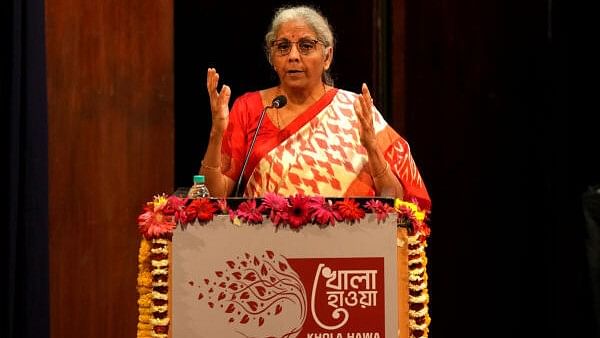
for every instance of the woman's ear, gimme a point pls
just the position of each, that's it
(328, 57)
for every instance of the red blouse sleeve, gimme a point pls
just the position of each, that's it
(245, 110)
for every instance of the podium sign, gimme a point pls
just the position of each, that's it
(262, 281)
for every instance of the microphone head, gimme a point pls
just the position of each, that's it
(279, 101)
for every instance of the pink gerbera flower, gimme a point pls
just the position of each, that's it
(323, 211)
(276, 206)
(298, 213)
(222, 204)
(408, 213)
(407, 217)
(154, 224)
(380, 209)
(248, 212)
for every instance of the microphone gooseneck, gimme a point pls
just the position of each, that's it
(278, 102)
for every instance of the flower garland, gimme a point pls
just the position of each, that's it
(144, 288)
(162, 215)
(418, 293)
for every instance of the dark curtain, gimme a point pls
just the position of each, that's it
(25, 225)
(591, 210)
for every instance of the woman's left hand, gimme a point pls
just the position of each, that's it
(363, 106)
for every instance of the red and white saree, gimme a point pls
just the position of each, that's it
(319, 153)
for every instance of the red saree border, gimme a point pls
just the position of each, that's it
(291, 129)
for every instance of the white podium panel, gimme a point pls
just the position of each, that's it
(261, 281)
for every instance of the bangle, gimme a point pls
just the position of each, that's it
(383, 172)
(209, 168)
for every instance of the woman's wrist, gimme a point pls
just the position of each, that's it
(216, 133)
(207, 167)
(382, 172)
(370, 146)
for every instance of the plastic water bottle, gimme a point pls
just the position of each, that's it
(199, 189)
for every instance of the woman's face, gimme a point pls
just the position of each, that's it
(303, 66)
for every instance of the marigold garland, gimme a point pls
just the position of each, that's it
(163, 214)
(144, 287)
(418, 298)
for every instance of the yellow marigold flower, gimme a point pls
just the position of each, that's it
(144, 279)
(145, 327)
(145, 334)
(144, 252)
(420, 216)
(146, 311)
(398, 203)
(159, 202)
(144, 292)
(145, 318)
(145, 300)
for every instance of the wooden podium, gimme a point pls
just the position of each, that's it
(228, 278)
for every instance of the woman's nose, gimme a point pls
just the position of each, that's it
(294, 52)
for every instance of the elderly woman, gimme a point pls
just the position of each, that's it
(324, 141)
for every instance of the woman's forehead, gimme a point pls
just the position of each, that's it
(294, 28)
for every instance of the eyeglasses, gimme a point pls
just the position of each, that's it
(284, 46)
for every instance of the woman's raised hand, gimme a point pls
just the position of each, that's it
(219, 101)
(363, 105)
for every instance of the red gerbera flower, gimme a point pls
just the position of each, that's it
(276, 206)
(380, 209)
(248, 212)
(350, 210)
(298, 213)
(202, 208)
(174, 207)
(323, 211)
(186, 215)
(153, 222)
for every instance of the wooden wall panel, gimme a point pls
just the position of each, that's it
(111, 138)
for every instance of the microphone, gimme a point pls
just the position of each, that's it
(278, 102)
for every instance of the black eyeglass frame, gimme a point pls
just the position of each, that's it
(301, 50)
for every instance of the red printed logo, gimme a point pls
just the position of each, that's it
(269, 295)
(346, 296)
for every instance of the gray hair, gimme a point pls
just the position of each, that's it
(313, 18)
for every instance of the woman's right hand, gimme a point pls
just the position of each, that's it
(219, 101)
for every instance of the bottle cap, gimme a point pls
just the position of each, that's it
(198, 178)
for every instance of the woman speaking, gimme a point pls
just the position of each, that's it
(304, 135)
